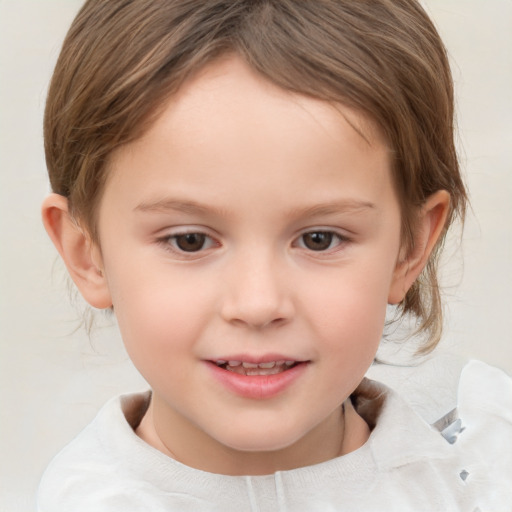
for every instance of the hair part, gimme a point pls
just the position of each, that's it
(122, 59)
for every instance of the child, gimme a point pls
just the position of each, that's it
(248, 184)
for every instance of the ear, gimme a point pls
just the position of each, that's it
(432, 219)
(81, 256)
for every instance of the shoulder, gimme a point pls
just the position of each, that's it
(485, 410)
(108, 468)
(75, 478)
(485, 388)
(484, 404)
(468, 405)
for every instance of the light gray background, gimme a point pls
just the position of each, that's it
(53, 377)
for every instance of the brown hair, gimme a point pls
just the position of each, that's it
(122, 59)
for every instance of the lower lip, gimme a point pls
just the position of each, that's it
(258, 387)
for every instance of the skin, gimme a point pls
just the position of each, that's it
(255, 169)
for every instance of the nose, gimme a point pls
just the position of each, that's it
(257, 292)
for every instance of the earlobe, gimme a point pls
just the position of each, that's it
(430, 226)
(81, 257)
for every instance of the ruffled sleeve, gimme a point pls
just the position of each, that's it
(485, 410)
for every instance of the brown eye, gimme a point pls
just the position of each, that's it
(318, 240)
(190, 242)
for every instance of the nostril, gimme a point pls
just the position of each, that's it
(254, 323)
(256, 300)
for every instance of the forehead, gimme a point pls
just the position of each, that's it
(224, 86)
(228, 120)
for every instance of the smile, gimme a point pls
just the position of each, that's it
(250, 369)
(257, 380)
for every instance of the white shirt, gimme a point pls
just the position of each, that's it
(406, 465)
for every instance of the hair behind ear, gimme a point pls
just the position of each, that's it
(81, 256)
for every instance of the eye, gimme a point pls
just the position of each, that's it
(320, 240)
(188, 242)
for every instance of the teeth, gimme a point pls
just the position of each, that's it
(251, 366)
(266, 366)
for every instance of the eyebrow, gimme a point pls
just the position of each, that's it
(335, 207)
(185, 206)
(317, 210)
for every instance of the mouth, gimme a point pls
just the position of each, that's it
(252, 369)
(258, 378)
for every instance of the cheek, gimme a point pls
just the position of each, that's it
(159, 313)
(158, 332)
(349, 333)
(349, 309)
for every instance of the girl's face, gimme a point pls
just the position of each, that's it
(249, 243)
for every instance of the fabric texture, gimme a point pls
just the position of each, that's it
(406, 465)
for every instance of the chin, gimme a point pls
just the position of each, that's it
(261, 440)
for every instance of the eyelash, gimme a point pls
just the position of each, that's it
(170, 242)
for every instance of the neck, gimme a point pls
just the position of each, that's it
(342, 432)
